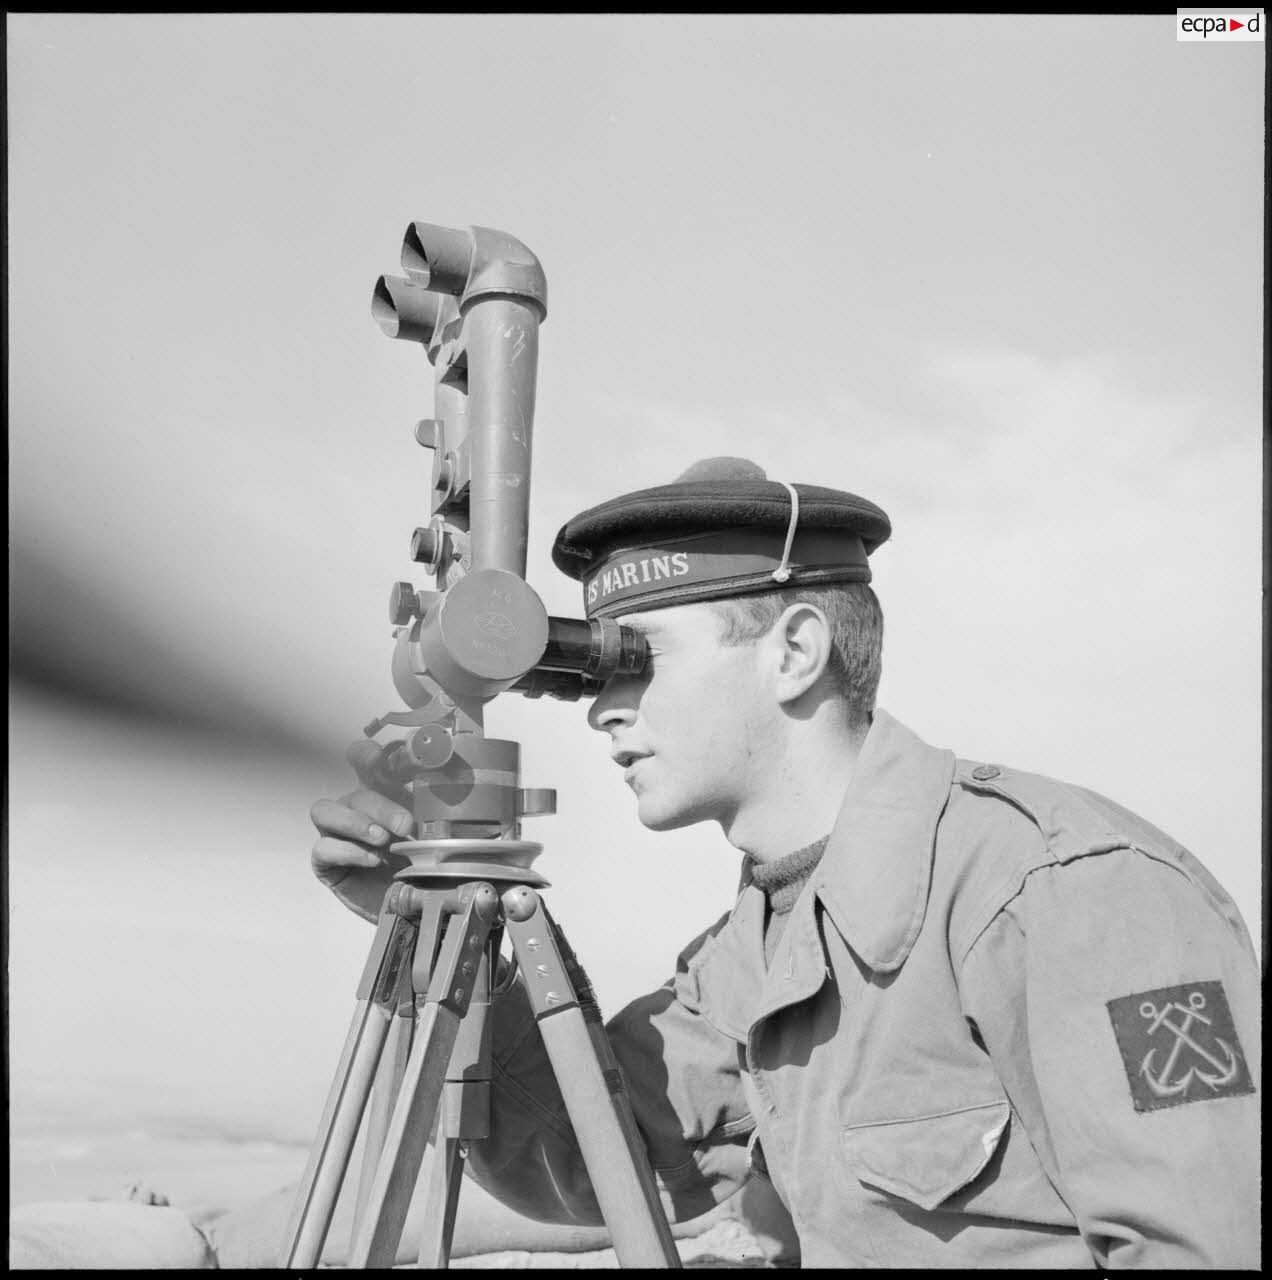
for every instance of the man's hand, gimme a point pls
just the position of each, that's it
(352, 856)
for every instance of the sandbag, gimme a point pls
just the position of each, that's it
(117, 1235)
(252, 1236)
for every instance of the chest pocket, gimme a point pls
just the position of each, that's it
(927, 1159)
(971, 1160)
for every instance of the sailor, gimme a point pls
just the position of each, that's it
(959, 1015)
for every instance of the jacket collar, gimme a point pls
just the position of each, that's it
(873, 880)
(877, 869)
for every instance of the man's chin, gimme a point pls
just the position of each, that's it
(655, 817)
(659, 821)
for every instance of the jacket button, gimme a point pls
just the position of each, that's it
(984, 772)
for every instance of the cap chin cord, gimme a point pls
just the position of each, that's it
(782, 572)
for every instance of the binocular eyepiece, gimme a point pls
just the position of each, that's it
(581, 656)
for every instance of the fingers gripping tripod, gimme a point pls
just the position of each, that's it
(421, 1031)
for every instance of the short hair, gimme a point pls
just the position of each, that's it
(856, 624)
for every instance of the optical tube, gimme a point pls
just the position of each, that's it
(599, 649)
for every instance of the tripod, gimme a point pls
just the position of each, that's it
(474, 300)
(430, 970)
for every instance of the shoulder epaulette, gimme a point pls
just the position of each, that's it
(1070, 824)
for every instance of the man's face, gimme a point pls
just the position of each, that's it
(691, 731)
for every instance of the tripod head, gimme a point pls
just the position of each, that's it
(474, 300)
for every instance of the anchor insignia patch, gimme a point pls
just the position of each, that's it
(1179, 1045)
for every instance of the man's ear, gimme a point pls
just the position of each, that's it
(802, 642)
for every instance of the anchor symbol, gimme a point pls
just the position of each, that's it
(1161, 1083)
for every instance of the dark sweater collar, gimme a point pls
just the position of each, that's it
(782, 879)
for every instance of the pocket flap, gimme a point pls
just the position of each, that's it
(928, 1158)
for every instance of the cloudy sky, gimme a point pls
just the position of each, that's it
(1001, 275)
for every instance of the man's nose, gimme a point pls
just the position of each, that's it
(614, 707)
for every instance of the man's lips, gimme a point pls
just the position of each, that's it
(628, 760)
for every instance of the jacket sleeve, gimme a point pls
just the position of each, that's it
(683, 1081)
(1118, 997)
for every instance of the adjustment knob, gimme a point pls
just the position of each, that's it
(426, 545)
(404, 604)
(430, 746)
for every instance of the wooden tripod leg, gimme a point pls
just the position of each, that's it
(446, 1172)
(449, 986)
(388, 1083)
(593, 1090)
(387, 964)
(465, 1114)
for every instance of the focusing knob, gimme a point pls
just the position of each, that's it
(427, 544)
(404, 604)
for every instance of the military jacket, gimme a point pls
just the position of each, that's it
(1009, 1024)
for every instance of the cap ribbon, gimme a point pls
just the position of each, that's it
(723, 562)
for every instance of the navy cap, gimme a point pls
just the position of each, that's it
(721, 529)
